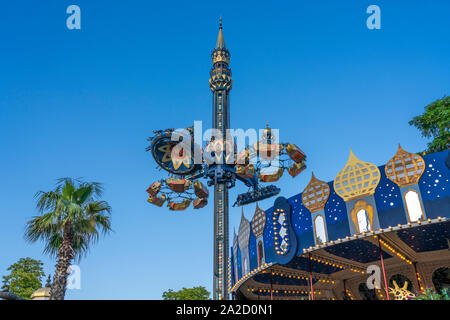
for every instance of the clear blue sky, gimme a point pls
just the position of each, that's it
(82, 103)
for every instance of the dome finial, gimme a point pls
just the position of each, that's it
(220, 44)
(351, 155)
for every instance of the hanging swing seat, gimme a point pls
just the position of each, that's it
(295, 153)
(178, 185)
(296, 169)
(178, 206)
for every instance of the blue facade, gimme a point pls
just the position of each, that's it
(434, 191)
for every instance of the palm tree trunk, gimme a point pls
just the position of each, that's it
(65, 256)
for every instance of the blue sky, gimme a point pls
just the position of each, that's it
(81, 103)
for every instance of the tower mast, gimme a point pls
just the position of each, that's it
(220, 84)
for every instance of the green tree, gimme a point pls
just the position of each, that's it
(435, 123)
(196, 293)
(25, 277)
(72, 219)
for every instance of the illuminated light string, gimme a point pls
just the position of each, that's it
(282, 291)
(337, 265)
(371, 232)
(347, 267)
(420, 281)
(280, 250)
(296, 276)
(251, 273)
(380, 294)
(389, 247)
(349, 294)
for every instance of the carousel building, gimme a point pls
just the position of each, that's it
(389, 223)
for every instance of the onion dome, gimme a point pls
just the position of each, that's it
(316, 194)
(258, 222)
(244, 231)
(41, 294)
(267, 133)
(405, 169)
(357, 179)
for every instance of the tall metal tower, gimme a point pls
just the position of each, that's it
(223, 172)
(220, 83)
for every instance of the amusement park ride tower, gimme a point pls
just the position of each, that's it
(220, 164)
(221, 120)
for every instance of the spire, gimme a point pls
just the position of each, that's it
(48, 284)
(220, 44)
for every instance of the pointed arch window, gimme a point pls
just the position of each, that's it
(362, 216)
(260, 253)
(245, 266)
(320, 229)
(363, 221)
(414, 207)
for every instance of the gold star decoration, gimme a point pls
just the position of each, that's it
(401, 293)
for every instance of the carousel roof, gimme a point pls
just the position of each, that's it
(347, 255)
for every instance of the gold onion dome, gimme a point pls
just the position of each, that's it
(357, 179)
(41, 294)
(267, 132)
(258, 222)
(405, 169)
(316, 194)
(244, 231)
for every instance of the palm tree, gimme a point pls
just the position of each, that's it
(72, 219)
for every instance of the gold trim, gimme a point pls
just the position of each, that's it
(361, 204)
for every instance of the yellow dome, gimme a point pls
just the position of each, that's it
(315, 195)
(357, 179)
(41, 294)
(405, 169)
(258, 222)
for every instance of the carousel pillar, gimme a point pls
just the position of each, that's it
(345, 289)
(384, 271)
(310, 278)
(271, 287)
(419, 283)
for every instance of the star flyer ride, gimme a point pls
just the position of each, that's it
(220, 166)
(258, 164)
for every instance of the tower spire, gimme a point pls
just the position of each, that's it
(220, 44)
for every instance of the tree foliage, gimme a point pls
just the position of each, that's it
(71, 221)
(435, 123)
(25, 277)
(196, 293)
(431, 294)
